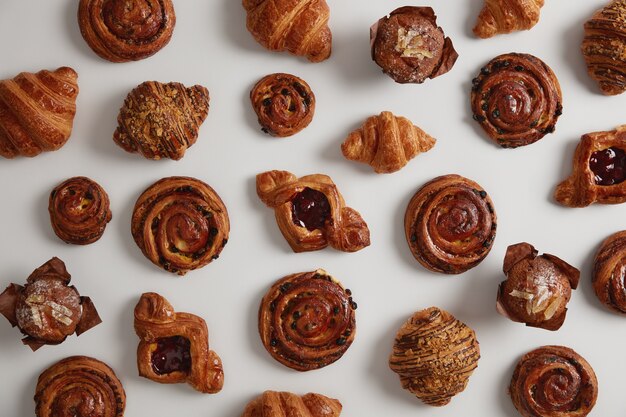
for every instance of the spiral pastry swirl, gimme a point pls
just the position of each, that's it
(553, 381)
(126, 30)
(517, 99)
(79, 386)
(450, 224)
(306, 320)
(609, 272)
(180, 224)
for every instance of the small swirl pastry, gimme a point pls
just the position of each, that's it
(161, 120)
(79, 210)
(306, 320)
(506, 16)
(284, 104)
(409, 46)
(450, 224)
(537, 288)
(297, 26)
(311, 213)
(37, 111)
(609, 272)
(434, 354)
(180, 224)
(517, 99)
(286, 404)
(174, 346)
(47, 309)
(553, 381)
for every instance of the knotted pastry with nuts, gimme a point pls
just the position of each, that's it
(609, 272)
(286, 404)
(506, 16)
(311, 213)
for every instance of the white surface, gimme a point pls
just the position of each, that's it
(211, 46)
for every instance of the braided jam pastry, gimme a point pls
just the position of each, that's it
(286, 404)
(609, 272)
(126, 30)
(47, 309)
(386, 142)
(79, 210)
(180, 224)
(79, 386)
(311, 213)
(306, 320)
(284, 104)
(161, 120)
(409, 46)
(599, 171)
(553, 381)
(450, 224)
(37, 111)
(506, 16)
(517, 99)
(174, 346)
(434, 354)
(537, 288)
(297, 26)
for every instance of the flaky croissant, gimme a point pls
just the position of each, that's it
(286, 404)
(506, 16)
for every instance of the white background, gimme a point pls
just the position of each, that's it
(211, 46)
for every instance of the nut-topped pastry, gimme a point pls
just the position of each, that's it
(506, 16)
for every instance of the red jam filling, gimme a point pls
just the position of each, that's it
(310, 208)
(172, 354)
(608, 166)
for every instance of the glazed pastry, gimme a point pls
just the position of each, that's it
(506, 16)
(553, 381)
(180, 224)
(386, 142)
(450, 224)
(79, 210)
(310, 212)
(37, 111)
(174, 347)
(434, 354)
(161, 120)
(537, 288)
(297, 26)
(609, 272)
(47, 309)
(79, 386)
(409, 46)
(306, 320)
(517, 99)
(286, 404)
(283, 103)
(599, 171)
(126, 30)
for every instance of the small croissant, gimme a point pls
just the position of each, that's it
(37, 111)
(506, 16)
(386, 142)
(297, 26)
(286, 404)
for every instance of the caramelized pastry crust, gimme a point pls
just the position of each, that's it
(180, 224)
(286, 404)
(517, 99)
(506, 16)
(306, 320)
(609, 272)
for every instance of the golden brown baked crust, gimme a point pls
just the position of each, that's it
(306, 320)
(126, 30)
(161, 360)
(609, 272)
(434, 354)
(37, 111)
(286, 404)
(506, 16)
(311, 213)
(386, 142)
(180, 224)
(161, 120)
(297, 26)
(79, 386)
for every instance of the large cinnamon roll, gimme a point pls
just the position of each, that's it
(609, 272)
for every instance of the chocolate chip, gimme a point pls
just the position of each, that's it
(341, 341)
(213, 231)
(273, 342)
(336, 310)
(284, 92)
(348, 291)
(353, 305)
(482, 194)
(284, 287)
(478, 118)
(519, 68)
(495, 113)
(267, 102)
(413, 238)
(296, 314)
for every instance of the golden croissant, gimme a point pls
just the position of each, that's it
(386, 142)
(506, 16)
(286, 404)
(37, 111)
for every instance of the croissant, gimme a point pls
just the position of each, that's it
(506, 16)
(609, 273)
(286, 404)
(37, 111)
(386, 142)
(297, 26)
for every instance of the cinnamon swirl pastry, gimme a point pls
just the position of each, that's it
(286, 404)
(180, 224)
(79, 210)
(450, 224)
(306, 320)
(609, 272)
(517, 99)
(126, 30)
(553, 381)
